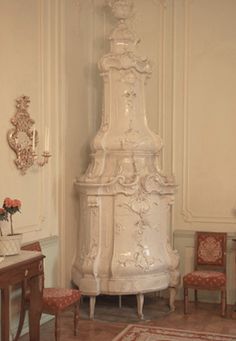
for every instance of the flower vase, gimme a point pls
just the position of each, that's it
(10, 244)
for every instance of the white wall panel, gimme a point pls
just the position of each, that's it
(27, 36)
(30, 64)
(205, 107)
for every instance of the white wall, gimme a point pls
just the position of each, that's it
(26, 67)
(50, 50)
(30, 62)
(203, 127)
(204, 114)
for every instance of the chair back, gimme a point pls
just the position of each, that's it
(34, 246)
(210, 251)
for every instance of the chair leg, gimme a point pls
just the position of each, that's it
(76, 317)
(57, 327)
(223, 302)
(186, 300)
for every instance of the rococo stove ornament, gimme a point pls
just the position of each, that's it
(123, 243)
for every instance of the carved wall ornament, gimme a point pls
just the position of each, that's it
(23, 138)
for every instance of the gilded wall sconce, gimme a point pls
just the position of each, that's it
(23, 138)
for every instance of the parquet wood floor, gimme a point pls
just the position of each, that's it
(110, 319)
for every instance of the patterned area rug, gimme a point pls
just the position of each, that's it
(150, 333)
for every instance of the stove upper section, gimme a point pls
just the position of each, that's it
(124, 125)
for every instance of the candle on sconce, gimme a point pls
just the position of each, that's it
(46, 139)
(33, 140)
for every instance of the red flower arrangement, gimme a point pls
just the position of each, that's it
(10, 206)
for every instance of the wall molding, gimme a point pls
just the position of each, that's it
(161, 76)
(188, 215)
(61, 142)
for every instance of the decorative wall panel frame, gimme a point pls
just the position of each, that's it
(43, 51)
(49, 99)
(190, 217)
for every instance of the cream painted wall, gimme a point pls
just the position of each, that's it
(26, 36)
(204, 114)
(50, 50)
(203, 127)
(30, 63)
(28, 33)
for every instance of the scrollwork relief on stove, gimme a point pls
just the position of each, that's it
(88, 256)
(140, 206)
(119, 228)
(140, 259)
(173, 263)
(121, 9)
(95, 168)
(158, 183)
(125, 61)
(129, 78)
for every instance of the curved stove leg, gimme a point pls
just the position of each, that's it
(140, 301)
(92, 302)
(173, 292)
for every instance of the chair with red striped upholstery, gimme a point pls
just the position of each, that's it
(55, 301)
(210, 267)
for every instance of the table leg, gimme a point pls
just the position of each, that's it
(35, 308)
(5, 314)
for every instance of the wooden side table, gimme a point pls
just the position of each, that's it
(28, 265)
